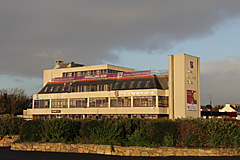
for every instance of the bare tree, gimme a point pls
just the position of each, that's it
(13, 100)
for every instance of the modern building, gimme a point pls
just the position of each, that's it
(76, 91)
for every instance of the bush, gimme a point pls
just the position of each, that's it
(162, 129)
(191, 134)
(61, 130)
(32, 131)
(221, 133)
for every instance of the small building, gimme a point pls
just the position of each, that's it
(231, 108)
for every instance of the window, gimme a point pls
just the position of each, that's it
(63, 88)
(45, 90)
(42, 103)
(131, 84)
(51, 88)
(93, 88)
(80, 88)
(88, 88)
(98, 102)
(124, 85)
(69, 88)
(56, 90)
(64, 74)
(144, 101)
(120, 101)
(147, 84)
(116, 86)
(163, 101)
(59, 103)
(101, 87)
(109, 87)
(139, 84)
(78, 103)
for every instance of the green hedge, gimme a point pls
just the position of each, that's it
(135, 132)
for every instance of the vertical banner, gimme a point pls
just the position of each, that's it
(191, 100)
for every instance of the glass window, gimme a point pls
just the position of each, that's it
(144, 101)
(42, 103)
(88, 88)
(120, 102)
(64, 74)
(45, 90)
(69, 88)
(59, 103)
(93, 88)
(116, 86)
(139, 84)
(98, 102)
(63, 88)
(147, 84)
(101, 87)
(131, 84)
(163, 101)
(78, 102)
(109, 87)
(124, 85)
(51, 88)
(57, 88)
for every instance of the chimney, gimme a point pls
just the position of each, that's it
(58, 63)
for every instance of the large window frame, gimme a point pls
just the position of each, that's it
(59, 103)
(78, 102)
(144, 101)
(42, 103)
(120, 102)
(98, 102)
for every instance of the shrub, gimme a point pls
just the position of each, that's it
(32, 131)
(191, 134)
(222, 134)
(161, 129)
(61, 130)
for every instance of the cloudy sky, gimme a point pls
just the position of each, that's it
(138, 34)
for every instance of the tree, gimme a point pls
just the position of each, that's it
(209, 106)
(13, 101)
(217, 107)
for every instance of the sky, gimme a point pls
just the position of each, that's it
(138, 34)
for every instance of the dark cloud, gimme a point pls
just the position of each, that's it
(35, 33)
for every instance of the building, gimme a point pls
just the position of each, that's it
(76, 91)
(234, 108)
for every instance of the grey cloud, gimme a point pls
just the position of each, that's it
(221, 79)
(32, 32)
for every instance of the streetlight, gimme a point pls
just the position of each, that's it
(210, 98)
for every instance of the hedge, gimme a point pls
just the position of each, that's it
(135, 132)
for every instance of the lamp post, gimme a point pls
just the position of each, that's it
(210, 98)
